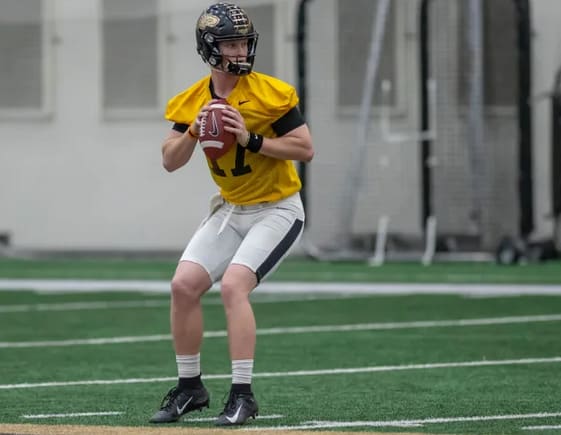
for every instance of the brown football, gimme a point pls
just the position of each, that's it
(213, 138)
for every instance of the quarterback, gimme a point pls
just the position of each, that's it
(255, 219)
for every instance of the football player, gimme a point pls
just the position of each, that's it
(257, 216)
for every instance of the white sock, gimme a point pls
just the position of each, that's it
(242, 370)
(188, 366)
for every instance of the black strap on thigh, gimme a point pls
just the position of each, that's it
(280, 250)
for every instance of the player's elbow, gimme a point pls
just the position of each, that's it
(308, 155)
(169, 165)
(305, 144)
(307, 152)
(172, 161)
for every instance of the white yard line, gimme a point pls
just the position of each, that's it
(297, 330)
(150, 286)
(79, 306)
(87, 341)
(558, 426)
(70, 415)
(325, 372)
(147, 303)
(406, 423)
(207, 419)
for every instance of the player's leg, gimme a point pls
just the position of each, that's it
(202, 262)
(237, 283)
(188, 285)
(275, 231)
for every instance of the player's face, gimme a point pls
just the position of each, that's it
(234, 51)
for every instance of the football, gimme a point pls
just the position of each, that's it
(214, 140)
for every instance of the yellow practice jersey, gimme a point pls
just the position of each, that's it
(244, 177)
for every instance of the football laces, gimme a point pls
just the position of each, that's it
(203, 126)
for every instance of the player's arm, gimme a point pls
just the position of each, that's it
(293, 141)
(294, 145)
(180, 142)
(178, 147)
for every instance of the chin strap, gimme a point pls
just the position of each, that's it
(239, 68)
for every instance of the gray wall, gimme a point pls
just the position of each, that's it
(77, 176)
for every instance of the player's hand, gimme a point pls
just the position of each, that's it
(196, 128)
(234, 123)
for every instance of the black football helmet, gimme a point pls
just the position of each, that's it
(223, 22)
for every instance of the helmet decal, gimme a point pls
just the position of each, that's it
(207, 20)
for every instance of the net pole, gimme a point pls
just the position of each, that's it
(556, 159)
(351, 187)
(475, 114)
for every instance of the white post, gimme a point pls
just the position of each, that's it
(381, 239)
(430, 242)
(391, 137)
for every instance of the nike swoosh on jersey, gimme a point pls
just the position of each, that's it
(234, 418)
(243, 102)
(180, 410)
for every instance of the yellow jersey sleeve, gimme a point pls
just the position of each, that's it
(185, 106)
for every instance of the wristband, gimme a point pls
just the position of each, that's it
(254, 142)
(190, 133)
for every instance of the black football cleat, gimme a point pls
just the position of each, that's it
(238, 408)
(177, 403)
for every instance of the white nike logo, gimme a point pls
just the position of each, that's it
(214, 127)
(234, 418)
(180, 410)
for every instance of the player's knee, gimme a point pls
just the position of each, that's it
(184, 288)
(236, 285)
(232, 292)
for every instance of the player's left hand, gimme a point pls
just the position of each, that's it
(234, 123)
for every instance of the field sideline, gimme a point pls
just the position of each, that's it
(332, 355)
